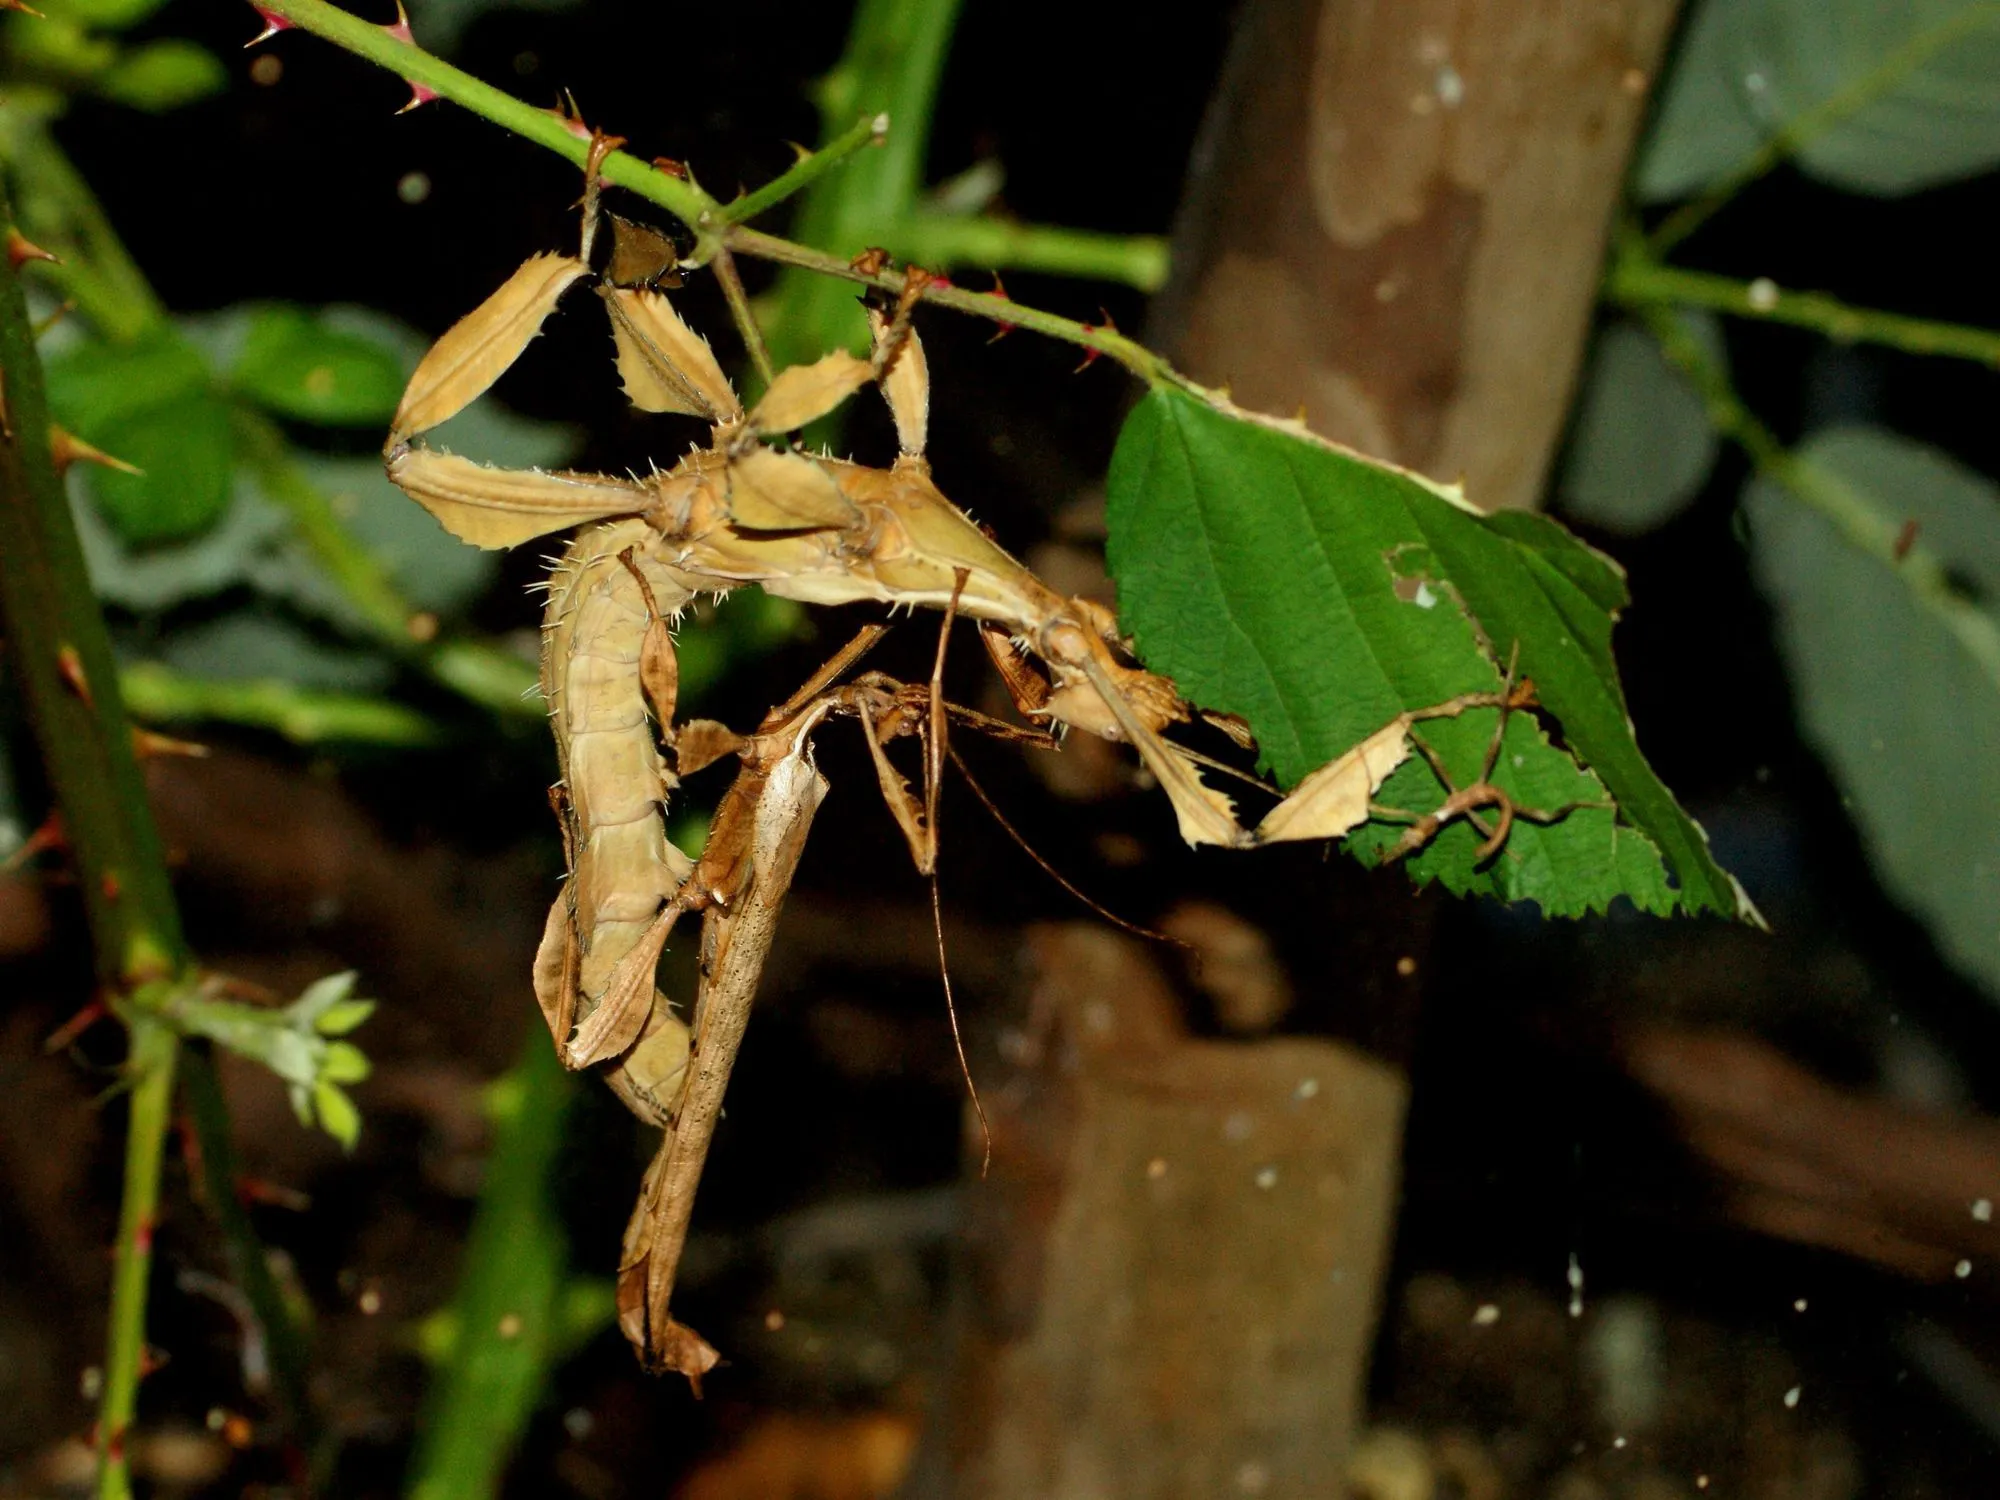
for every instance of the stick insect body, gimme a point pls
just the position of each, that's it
(815, 529)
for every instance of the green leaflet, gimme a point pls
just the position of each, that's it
(1903, 715)
(1910, 91)
(1319, 594)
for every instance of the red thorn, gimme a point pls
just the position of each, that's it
(114, 1451)
(1109, 324)
(938, 278)
(151, 1358)
(142, 1236)
(870, 262)
(24, 9)
(69, 666)
(1905, 539)
(401, 29)
(273, 24)
(999, 289)
(111, 885)
(1089, 355)
(672, 168)
(1000, 331)
(65, 1035)
(420, 94)
(21, 250)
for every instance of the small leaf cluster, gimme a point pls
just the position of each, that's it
(302, 1043)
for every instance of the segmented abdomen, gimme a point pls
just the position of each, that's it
(622, 866)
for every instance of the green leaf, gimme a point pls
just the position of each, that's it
(343, 1016)
(254, 643)
(1748, 69)
(1643, 443)
(1319, 594)
(322, 995)
(296, 366)
(1903, 717)
(163, 75)
(57, 45)
(344, 1063)
(150, 404)
(337, 1115)
(185, 455)
(111, 15)
(93, 384)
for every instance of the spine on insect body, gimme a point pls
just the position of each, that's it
(612, 797)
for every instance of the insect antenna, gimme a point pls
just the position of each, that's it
(1050, 870)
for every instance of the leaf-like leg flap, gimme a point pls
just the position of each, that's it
(918, 834)
(628, 998)
(659, 666)
(805, 393)
(906, 383)
(1332, 801)
(506, 507)
(772, 491)
(477, 349)
(666, 365)
(556, 967)
(700, 743)
(1204, 814)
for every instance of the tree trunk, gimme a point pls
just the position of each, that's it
(1397, 218)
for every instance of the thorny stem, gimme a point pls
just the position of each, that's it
(155, 1050)
(1806, 126)
(1859, 521)
(809, 168)
(1135, 260)
(1638, 280)
(709, 219)
(566, 138)
(1130, 353)
(62, 658)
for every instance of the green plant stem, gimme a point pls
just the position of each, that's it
(150, 1066)
(58, 211)
(566, 138)
(1130, 353)
(1860, 522)
(941, 240)
(62, 659)
(1638, 280)
(1809, 124)
(506, 1311)
(158, 694)
(870, 130)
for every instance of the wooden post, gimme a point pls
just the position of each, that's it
(1176, 1258)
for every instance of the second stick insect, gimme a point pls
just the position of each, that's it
(750, 508)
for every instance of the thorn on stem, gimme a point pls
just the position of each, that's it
(146, 745)
(870, 262)
(69, 667)
(273, 24)
(65, 1035)
(21, 250)
(66, 448)
(1905, 539)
